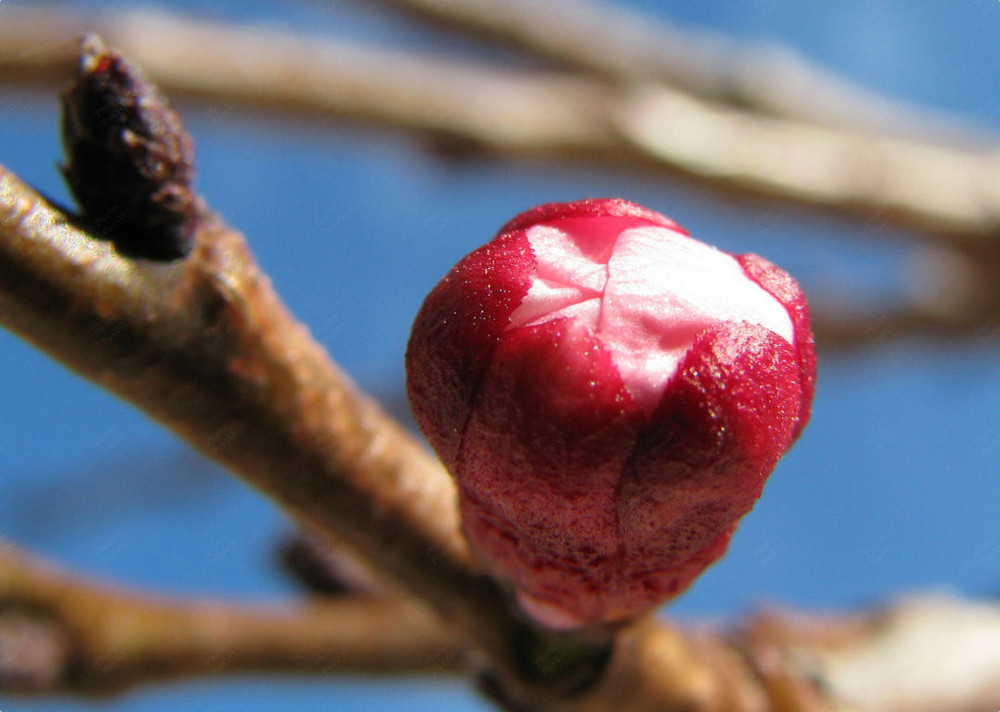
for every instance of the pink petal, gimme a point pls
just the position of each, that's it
(786, 290)
(456, 330)
(542, 455)
(701, 462)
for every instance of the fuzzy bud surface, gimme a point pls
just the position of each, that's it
(610, 395)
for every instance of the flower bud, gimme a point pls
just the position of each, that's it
(610, 395)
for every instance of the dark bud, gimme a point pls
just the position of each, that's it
(129, 161)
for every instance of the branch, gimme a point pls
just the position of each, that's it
(928, 653)
(318, 79)
(624, 46)
(204, 346)
(62, 633)
(945, 192)
(59, 632)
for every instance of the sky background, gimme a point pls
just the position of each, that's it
(892, 489)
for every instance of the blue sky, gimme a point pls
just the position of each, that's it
(892, 488)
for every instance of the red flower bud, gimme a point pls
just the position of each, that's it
(610, 395)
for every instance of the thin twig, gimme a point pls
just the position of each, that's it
(80, 636)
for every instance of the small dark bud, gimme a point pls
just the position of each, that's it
(129, 160)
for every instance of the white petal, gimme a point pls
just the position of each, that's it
(657, 292)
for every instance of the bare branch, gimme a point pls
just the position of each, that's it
(929, 653)
(622, 45)
(947, 651)
(62, 633)
(949, 193)
(278, 72)
(205, 346)
(940, 190)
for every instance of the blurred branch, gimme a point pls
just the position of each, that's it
(60, 632)
(273, 71)
(951, 292)
(63, 633)
(948, 193)
(928, 653)
(611, 41)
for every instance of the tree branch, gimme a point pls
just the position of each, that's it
(624, 46)
(63, 633)
(204, 346)
(60, 632)
(927, 653)
(945, 192)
